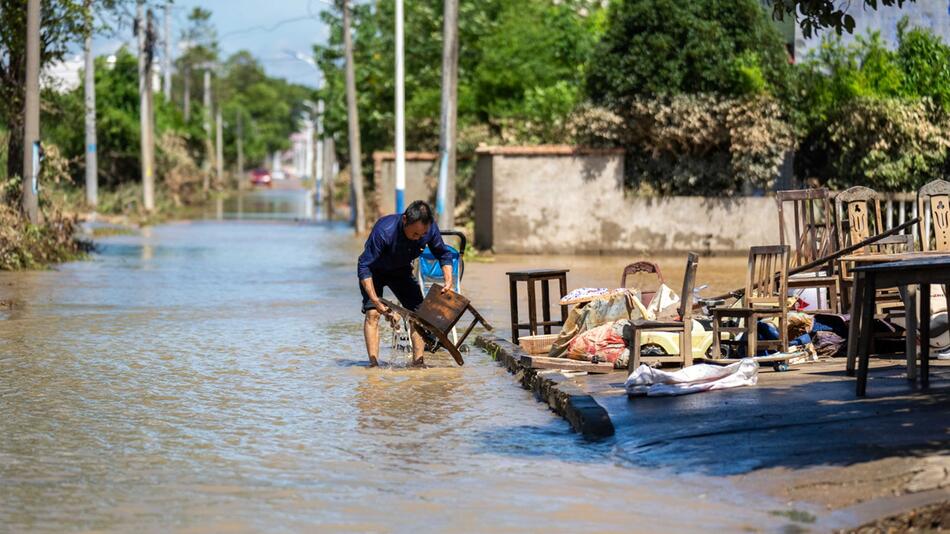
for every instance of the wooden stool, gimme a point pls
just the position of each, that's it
(532, 276)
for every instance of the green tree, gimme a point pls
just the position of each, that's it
(62, 24)
(875, 116)
(666, 47)
(521, 69)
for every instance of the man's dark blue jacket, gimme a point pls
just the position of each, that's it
(387, 247)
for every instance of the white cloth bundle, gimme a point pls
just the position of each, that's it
(651, 382)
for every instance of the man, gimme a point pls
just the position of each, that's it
(386, 261)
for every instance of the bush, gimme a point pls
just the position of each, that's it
(694, 144)
(27, 246)
(887, 144)
(873, 116)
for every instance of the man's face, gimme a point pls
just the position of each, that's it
(416, 230)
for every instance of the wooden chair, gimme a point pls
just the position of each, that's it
(933, 205)
(643, 267)
(438, 314)
(857, 217)
(812, 237)
(683, 324)
(766, 295)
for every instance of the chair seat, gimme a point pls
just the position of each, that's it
(644, 324)
(743, 312)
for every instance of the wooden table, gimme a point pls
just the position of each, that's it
(530, 277)
(916, 269)
(909, 295)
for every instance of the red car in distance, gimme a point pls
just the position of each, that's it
(260, 177)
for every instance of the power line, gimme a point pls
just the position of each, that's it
(264, 28)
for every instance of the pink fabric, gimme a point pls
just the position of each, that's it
(605, 341)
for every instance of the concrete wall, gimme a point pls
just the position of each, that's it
(561, 199)
(421, 179)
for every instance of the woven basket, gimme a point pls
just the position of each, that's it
(540, 344)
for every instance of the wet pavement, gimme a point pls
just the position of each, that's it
(210, 376)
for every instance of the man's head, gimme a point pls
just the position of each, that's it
(416, 220)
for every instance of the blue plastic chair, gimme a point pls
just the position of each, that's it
(429, 269)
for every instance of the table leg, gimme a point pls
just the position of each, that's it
(546, 304)
(854, 327)
(910, 323)
(532, 309)
(925, 335)
(867, 332)
(562, 286)
(513, 295)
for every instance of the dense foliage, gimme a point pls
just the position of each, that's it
(267, 108)
(521, 70)
(875, 116)
(662, 47)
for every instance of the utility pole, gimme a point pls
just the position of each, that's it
(445, 196)
(400, 111)
(219, 146)
(240, 149)
(144, 29)
(206, 115)
(186, 100)
(318, 170)
(92, 171)
(329, 159)
(167, 57)
(31, 111)
(356, 168)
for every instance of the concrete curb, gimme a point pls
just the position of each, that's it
(566, 399)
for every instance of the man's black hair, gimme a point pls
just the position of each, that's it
(418, 211)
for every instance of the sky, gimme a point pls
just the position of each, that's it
(267, 28)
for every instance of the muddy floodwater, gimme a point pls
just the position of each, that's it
(209, 376)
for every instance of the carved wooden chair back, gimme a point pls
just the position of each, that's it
(811, 232)
(689, 282)
(933, 207)
(767, 277)
(858, 216)
(645, 267)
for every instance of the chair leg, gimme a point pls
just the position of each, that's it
(833, 298)
(716, 340)
(635, 355)
(686, 345)
(783, 331)
(751, 335)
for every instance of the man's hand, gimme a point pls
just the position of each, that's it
(382, 308)
(447, 276)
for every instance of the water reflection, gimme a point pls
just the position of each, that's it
(264, 204)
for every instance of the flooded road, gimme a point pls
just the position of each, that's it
(209, 376)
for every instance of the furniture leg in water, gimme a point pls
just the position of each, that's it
(439, 313)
